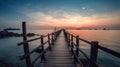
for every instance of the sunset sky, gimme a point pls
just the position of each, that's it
(46, 14)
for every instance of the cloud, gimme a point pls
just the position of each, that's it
(39, 16)
(88, 9)
(60, 18)
(43, 14)
(56, 19)
(83, 8)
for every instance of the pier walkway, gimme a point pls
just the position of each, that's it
(60, 55)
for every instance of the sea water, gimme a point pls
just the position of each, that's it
(10, 52)
(107, 38)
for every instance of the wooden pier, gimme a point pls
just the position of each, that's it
(60, 55)
(62, 50)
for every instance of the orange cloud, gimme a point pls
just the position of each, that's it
(72, 19)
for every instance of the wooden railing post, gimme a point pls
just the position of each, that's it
(67, 36)
(94, 50)
(54, 36)
(71, 38)
(72, 46)
(64, 33)
(52, 39)
(49, 42)
(68, 39)
(25, 46)
(77, 45)
(42, 48)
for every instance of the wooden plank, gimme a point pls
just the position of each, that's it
(60, 59)
(59, 62)
(59, 56)
(57, 65)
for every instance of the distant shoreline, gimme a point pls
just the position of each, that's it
(6, 33)
(11, 29)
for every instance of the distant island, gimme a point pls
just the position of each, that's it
(5, 33)
(93, 29)
(11, 29)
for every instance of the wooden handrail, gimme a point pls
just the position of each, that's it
(94, 48)
(32, 39)
(40, 55)
(51, 37)
(73, 45)
(85, 41)
(88, 58)
(28, 41)
(77, 59)
(79, 38)
(23, 57)
(109, 51)
(100, 47)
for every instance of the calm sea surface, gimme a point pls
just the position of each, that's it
(10, 52)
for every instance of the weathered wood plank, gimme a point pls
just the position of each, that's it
(59, 56)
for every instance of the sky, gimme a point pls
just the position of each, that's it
(46, 14)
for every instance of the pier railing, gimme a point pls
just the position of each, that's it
(89, 61)
(92, 59)
(51, 38)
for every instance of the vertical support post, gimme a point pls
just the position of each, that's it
(52, 39)
(72, 43)
(26, 46)
(55, 35)
(68, 39)
(49, 42)
(42, 48)
(71, 38)
(66, 35)
(77, 45)
(94, 50)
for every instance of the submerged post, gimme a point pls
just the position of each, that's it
(25, 46)
(77, 45)
(94, 50)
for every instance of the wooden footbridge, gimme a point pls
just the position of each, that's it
(62, 51)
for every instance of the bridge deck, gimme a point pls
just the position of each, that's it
(60, 56)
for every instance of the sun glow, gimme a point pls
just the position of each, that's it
(73, 20)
